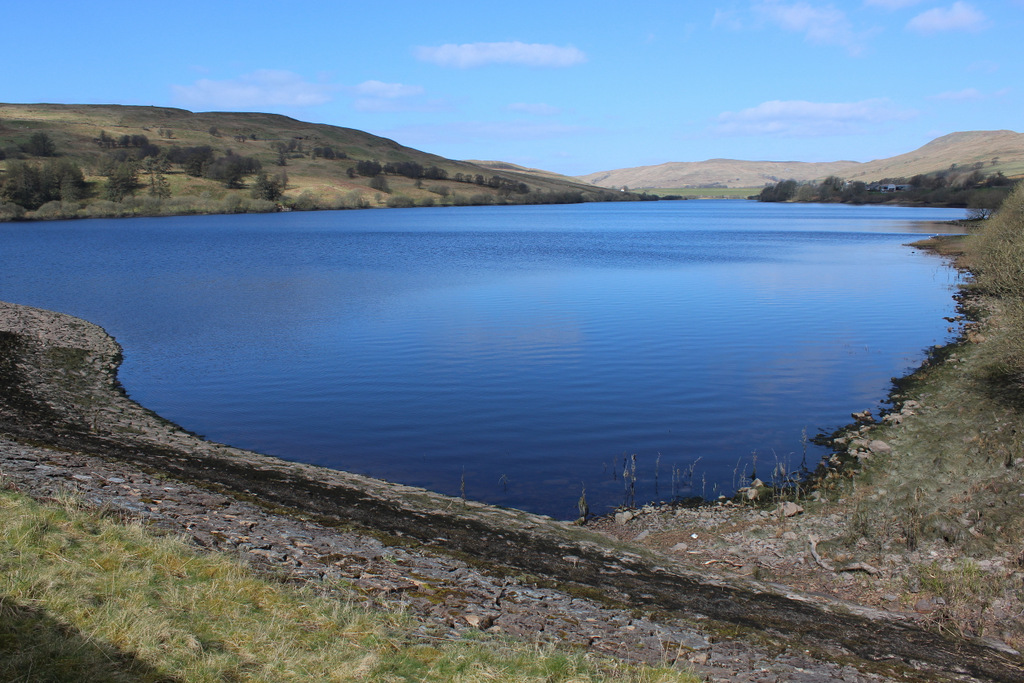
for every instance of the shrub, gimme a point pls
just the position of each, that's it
(11, 212)
(400, 202)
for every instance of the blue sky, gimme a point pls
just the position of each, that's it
(573, 87)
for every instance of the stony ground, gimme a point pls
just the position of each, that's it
(448, 595)
(789, 544)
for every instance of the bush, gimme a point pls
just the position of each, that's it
(400, 202)
(11, 212)
(56, 210)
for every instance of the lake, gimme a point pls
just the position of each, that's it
(513, 354)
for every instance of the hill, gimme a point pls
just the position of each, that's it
(184, 162)
(996, 151)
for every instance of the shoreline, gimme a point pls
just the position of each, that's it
(62, 408)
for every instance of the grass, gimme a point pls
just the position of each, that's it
(87, 596)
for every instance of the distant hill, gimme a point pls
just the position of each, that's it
(320, 163)
(1001, 150)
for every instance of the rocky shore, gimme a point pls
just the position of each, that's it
(737, 592)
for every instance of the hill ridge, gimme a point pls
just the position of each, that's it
(996, 151)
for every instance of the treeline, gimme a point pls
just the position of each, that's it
(954, 187)
(30, 185)
(39, 145)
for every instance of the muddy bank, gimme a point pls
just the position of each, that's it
(61, 408)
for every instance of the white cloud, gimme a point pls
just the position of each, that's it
(821, 25)
(960, 16)
(797, 118)
(891, 4)
(728, 19)
(262, 88)
(485, 131)
(534, 109)
(470, 55)
(984, 66)
(380, 97)
(387, 90)
(960, 95)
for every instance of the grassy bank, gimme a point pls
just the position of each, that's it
(949, 496)
(87, 596)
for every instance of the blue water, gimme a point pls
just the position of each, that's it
(518, 353)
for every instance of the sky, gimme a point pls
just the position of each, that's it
(567, 86)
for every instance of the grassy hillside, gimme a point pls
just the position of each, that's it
(995, 151)
(725, 173)
(317, 162)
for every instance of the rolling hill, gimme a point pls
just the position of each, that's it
(319, 163)
(1001, 150)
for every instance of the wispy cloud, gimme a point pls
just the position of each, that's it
(821, 25)
(262, 88)
(534, 109)
(984, 66)
(960, 16)
(891, 4)
(960, 95)
(381, 97)
(468, 55)
(387, 90)
(486, 131)
(729, 19)
(797, 118)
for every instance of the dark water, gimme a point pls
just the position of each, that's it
(519, 352)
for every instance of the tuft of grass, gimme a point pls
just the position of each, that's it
(90, 597)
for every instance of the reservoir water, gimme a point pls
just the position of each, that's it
(513, 354)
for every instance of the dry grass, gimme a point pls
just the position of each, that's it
(90, 597)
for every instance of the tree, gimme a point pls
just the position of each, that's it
(40, 145)
(782, 191)
(231, 168)
(30, 185)
(369, 169)
(122, 182)
(156, 167)
(270, 189)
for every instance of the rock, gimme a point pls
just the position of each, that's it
(642, 535)
(863, 416)
(789, 509)
(789, 536)
(480, 621)
(924, 606)
(679, 547)
(623, 517)
(879, 446)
